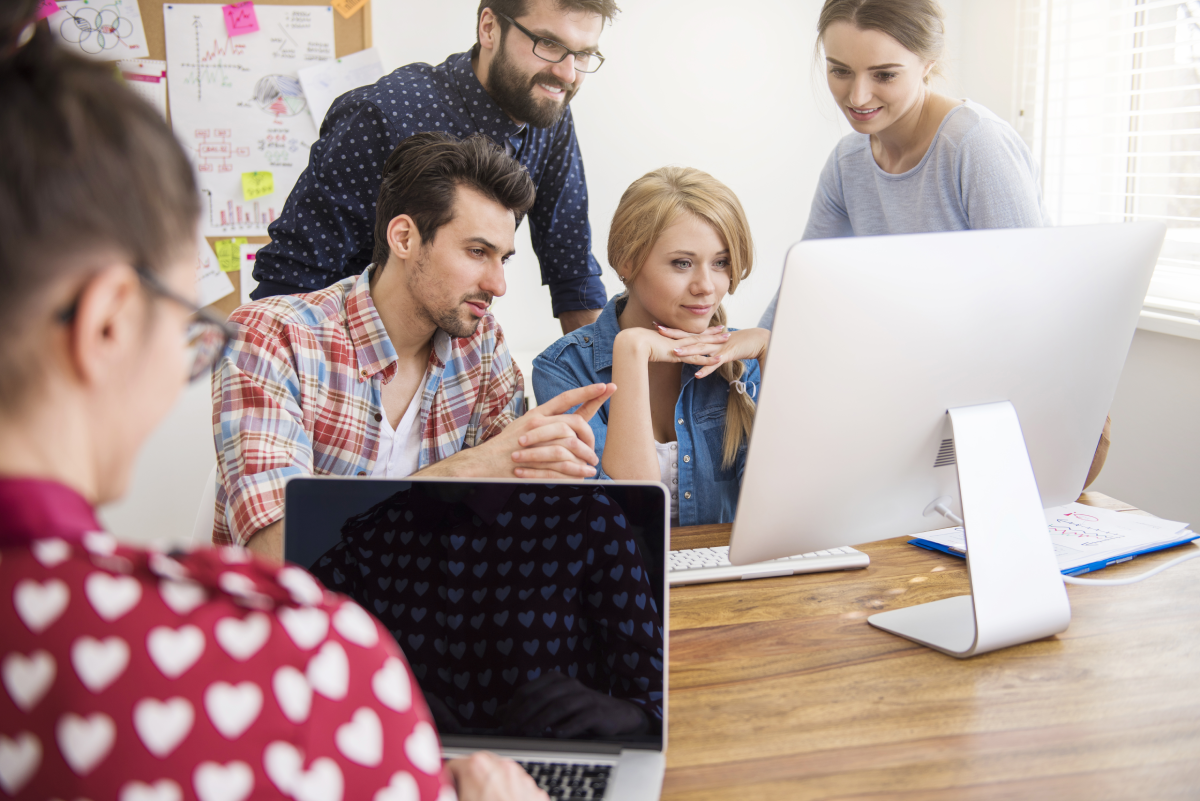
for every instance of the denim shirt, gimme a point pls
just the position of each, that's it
(708, 491)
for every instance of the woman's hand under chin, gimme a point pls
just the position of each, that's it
(663, 345)
(711, 349)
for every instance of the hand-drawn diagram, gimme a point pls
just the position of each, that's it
(1077, 532)
(238, 106)
(280, 95)
(216, 152)
(108, 30)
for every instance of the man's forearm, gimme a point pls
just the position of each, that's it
(570, 320)
(268, 542)
(467, 463)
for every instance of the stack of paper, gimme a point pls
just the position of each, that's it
(1085, 538)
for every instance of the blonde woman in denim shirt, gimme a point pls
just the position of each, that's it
(684, 403)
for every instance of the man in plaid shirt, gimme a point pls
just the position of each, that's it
(401, 369)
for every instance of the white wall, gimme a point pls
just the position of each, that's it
(685, 82)
(731, 92)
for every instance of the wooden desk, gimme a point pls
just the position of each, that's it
(779, 688)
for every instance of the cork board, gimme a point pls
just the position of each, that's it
(349, 35)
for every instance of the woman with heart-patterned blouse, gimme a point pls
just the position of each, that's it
(129, 674)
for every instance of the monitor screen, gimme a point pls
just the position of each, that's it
(525, 611)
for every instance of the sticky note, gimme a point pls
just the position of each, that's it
(240, 18)
(48, 8)
(348, 8)
(257, 184)
(229, 252)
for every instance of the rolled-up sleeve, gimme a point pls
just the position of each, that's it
(259, 432)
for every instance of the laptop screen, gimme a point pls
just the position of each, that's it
(528, 611)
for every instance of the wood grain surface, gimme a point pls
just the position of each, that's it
(779, 688)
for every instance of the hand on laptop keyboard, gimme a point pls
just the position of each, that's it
(483, 775)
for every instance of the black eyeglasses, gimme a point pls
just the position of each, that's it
(207, 335)
(554, 52)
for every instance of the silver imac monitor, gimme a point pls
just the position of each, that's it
(969, 372)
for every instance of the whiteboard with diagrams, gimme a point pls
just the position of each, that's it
(237, 105)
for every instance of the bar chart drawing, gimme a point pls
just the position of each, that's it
(243, 217)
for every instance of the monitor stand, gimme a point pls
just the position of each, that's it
(1017, 592)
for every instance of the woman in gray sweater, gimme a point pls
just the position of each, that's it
(917, 161)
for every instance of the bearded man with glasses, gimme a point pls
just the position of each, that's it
(515, 86)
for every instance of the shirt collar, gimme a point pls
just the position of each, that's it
(486, 115)
(605, 331)
(372, 345)
(370, 339)
(32, 508)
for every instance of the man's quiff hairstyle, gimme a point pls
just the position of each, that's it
(516, 8)
(422, 176)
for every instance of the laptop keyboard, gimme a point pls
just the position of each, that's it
(569, 781)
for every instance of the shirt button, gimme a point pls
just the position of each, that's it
(379, 417)
(587, 339)
(364, 373)
(687, 458)
(680, 419)
(674, 481)
(674, 464)
(674, 494)
(362, 472)
(687, 495)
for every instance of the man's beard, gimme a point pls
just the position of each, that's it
(450, 318)
(513, 92)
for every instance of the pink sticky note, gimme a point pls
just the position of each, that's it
(47, 8)
(240, 18)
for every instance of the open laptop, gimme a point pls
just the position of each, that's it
(534, 616)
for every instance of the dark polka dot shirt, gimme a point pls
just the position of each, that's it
(326, 230)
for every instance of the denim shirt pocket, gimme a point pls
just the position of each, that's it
(710, 427)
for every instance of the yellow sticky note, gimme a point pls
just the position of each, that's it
(257, 184)
(228, 252)
(348, 8)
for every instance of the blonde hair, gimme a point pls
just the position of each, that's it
(652, 204)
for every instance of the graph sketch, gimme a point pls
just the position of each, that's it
(104, 29)
(238, 107)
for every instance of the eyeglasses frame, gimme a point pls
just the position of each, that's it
(576, 53)
(67, 315)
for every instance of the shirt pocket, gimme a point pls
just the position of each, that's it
(709, 423)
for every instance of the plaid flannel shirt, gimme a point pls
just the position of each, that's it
(298, 393)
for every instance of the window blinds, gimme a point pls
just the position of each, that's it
(1109, 103)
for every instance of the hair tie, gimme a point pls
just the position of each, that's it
(740, 387)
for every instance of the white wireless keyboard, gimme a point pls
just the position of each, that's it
(702, 565)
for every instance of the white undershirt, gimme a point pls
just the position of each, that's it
(400, 449)
(668, 470)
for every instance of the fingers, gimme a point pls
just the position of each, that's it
(570, 451)
(712, 365)
(552, 429)
(702, 345)
(675, 333)
(484, 775)
(568, 471)
(559, 404)
(588, 409)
